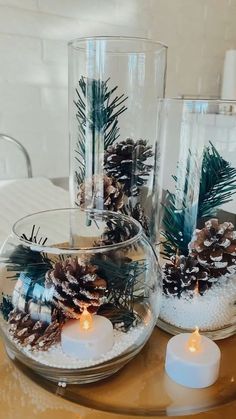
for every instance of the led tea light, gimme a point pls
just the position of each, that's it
(87, 338)
(192, 360)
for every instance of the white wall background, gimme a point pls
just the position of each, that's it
(33, 58)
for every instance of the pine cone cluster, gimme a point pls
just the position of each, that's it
(76, 286)
(35, 334)
(184, 274)
(212, 253)
(126, 162)
(112, 197)
(215, 247)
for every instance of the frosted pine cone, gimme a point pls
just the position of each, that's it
(215, 247)
(126, 162)
(111, 197)
(34, 333)
(184, 274)
(76, 286)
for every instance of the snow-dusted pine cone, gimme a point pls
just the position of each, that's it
(126, 161)
(35, 334)
(184, 274)
(111, 197)
(215, 247)
(77, 286)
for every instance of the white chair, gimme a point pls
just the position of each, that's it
(14, 159)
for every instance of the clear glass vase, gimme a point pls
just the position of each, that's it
(114, 85)
(77, 313)
(197, 215)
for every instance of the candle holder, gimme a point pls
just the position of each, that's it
(114, 84)
(77, 312)
(197, 216)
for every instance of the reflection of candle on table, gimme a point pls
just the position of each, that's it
(192, 360)
(87, 338)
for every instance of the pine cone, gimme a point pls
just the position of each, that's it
(215, 247)
(111, 199)
(34, 333)
(184, 274)
(125, 161)
(76, 286)
(138, 214)
(116, 232)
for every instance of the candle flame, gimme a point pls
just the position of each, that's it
(194, 341)
(86, 320)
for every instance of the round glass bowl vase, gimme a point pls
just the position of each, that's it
(114, 86)
(77, 308)
(197, 217)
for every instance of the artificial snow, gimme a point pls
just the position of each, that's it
(215, 309)
(54, 357)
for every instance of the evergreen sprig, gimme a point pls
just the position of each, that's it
(23, 259)
(122, 287)
(97, 110)
(218, 182)
(217, 185)
(6, 306)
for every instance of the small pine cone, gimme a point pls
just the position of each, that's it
(33, 333)
(76, 286)
(215, 247)
(126, 162)
(116, 232)
(184, 274)
(111, 198)
(138, 214)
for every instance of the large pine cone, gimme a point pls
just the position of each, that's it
(215, 247)
(76, 286)
(125, 161)
(184, 274)
(111, 199)
(34, 334)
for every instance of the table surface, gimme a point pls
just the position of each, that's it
(23, 398)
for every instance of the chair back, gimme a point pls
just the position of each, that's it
(14, 159)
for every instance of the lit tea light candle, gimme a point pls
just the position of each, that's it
(87, 338)
(192, 360)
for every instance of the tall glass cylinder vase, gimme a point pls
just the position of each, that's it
(114, 85)
(198, 215)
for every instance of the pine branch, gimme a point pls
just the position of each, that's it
(179, 217)
(6, 306)
(24, 259)
(122, 285)
(179, 225)
(217, 185)
(98, 111)
(218, 182)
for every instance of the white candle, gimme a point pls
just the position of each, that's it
(89, 338)
(192, 360)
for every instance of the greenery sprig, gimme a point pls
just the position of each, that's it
(217, 185)
(218, 182)
(98, 110)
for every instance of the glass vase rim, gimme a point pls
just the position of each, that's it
(197, 100)
(72, 43)
(73, 249)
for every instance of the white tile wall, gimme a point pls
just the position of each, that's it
(33, 58)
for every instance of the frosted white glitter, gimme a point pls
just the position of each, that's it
(54, 357)
(214, 309)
